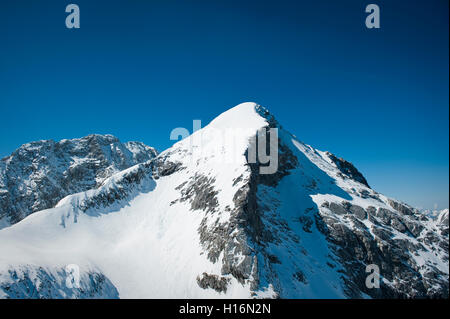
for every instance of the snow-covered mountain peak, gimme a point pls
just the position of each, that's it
(202, 220)
(245, 115)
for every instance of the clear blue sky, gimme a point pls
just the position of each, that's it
(138, 69)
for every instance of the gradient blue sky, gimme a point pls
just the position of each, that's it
(138, 69)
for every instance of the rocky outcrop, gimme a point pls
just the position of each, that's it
(40, 283)
(348, 169)
(215, 282)
(356, 245)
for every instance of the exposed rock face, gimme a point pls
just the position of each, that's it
(242, 238)
(348, 169)
(39, 174)
(215, 282)
(404, 276)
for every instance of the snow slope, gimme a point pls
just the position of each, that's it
(201, 221)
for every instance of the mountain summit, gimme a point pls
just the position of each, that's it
(203, 220)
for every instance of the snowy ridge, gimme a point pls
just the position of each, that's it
(200, 221)
(39, 174)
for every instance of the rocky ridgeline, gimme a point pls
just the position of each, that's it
(39, 174)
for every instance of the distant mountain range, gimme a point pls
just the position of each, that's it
(201, 220)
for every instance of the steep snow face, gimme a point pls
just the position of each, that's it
(38, 174)
(201, 221)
